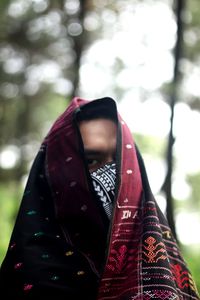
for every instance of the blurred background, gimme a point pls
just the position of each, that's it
(144, 54)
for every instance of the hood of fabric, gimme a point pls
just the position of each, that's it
(64, 148)
(78, 210)
(63, 244)
(142, 257)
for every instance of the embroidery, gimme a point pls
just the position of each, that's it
(54, 277)
(84, 207)
(40, 233)
(156, 294)
(68, 159)
(18, 265)
(69, 253)
(180, 276)
(80, 273)
(168, 234)
(31, 212)
(12, 246)
(192, 284)
(141, 247)
(117, 260)
(126, 214)
(129, 171)
(45, 256)
(27, 287)
(163, 294)
(128, 146)
(129, 214)
(152, 254)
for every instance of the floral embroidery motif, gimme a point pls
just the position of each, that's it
(117, 259)
(28, 287)
(180, 276)
(153, 251)
(18, 266)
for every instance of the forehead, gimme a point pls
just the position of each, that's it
(99, 126)
(98, 131)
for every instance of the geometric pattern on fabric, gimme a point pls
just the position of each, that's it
(144, 261)
(103, 180)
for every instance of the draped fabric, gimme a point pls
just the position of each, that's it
(104, 179)
(63, 246)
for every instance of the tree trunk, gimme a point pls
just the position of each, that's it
(167, 186)
(79, 42)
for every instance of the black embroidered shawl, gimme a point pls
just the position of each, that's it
(62, 246)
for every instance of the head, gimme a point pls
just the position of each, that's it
(98, 128)
(99, 138)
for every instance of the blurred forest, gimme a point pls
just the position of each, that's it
(52, 50)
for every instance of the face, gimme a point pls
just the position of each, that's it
(99, 139)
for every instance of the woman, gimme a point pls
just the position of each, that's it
(88, 226)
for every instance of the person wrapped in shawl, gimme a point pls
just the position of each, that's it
(88, 226)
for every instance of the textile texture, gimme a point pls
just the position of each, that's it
(103, 180)
(64, 247)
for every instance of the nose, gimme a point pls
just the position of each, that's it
(110, 157)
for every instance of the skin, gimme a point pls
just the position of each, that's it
(99, 139)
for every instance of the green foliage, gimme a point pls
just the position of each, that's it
(9, 203)
(150, 144)
(194, 182)
(192, 257)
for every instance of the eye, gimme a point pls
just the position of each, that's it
(92, 162)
